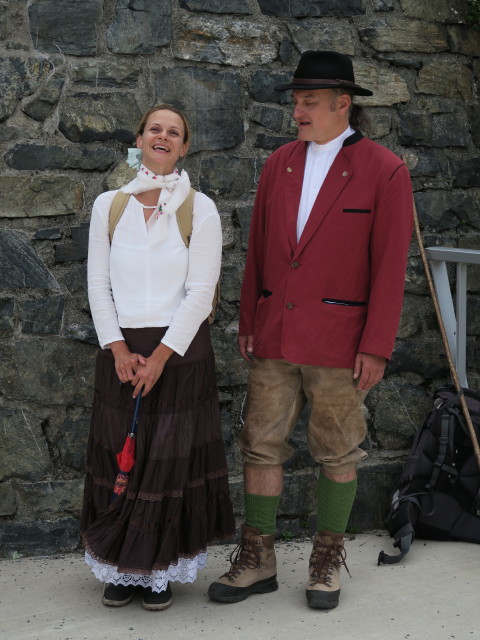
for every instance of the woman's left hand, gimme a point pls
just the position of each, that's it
(147, 374)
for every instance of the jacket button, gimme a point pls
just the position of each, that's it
(289, 305)
(294, 265)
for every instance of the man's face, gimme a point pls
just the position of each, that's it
(321, 114)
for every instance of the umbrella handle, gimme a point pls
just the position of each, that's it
(133, 428)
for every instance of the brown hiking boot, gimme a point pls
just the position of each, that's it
(328, 555)
(253, 569)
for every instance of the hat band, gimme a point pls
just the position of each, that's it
(322, 81)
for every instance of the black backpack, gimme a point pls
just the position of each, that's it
(438, 496)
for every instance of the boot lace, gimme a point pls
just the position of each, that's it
(246, 555)
(325, 559)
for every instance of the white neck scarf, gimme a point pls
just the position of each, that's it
(174, 189)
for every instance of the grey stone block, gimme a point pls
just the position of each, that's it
(43, 316)
(306, 8)
(39, 196)
(8, 500)
(437, 130)
(106, 73)
(18, 78)
(54, 372)
(262, 83)
(230, 282)
(464, 39)
(86, 117)
(227, 176)
(405, 35)
(51, 233)
(334, 35)
(217, 6)
(237, 42)
(72, 32)
(271, 142)
(22, 432)
(71, 441)
(7, 316)
(427, 359)
(376, 479)
(40, 157)
(44, 103)
(400, 408)
(466, 172)
(38, 537)
(20, 267)
(244, 216)
(84, 332)
(440, 210)
(212, 101)
(76, 250)
(139, 27)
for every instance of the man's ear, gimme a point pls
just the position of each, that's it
(343, 103)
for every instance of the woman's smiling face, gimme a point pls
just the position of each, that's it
(162, 141)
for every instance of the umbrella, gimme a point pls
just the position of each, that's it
(126, 457)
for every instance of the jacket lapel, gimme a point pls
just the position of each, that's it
(293, 181)
(335, 182)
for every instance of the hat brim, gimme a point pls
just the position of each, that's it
(353, 88)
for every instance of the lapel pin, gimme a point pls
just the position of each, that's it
(289, 169)
(345, 174)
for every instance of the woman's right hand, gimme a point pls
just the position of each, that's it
(126, 362)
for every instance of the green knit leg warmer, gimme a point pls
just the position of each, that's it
(261, 512)
(334, 503)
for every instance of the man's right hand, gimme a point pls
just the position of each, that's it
(245, 346)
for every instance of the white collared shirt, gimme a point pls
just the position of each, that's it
(319, 159)
(136, 283)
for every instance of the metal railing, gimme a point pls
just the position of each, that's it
(455, 323)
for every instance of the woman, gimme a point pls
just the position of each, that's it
(150, 296)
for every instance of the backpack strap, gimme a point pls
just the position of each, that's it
(447, 426)
(185, 217)
(185, 226)
(117, 208)
(403, 541)
(184, 214)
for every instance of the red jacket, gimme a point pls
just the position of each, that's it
(339, 291)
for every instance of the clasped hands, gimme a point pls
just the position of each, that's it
(142, 372)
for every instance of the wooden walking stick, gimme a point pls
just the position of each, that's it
(453, 370)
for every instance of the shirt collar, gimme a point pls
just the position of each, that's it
(334, 144)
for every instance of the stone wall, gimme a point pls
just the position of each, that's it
(74, 79)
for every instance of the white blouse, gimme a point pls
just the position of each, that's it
(139, 283)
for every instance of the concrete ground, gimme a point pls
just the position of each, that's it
(434, 594)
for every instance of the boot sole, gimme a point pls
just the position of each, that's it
(224, 593)
(322, 599)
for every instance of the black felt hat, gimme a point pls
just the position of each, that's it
(324, 70)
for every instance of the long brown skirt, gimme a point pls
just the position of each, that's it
(177, 500)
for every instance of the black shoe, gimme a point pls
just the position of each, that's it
(153, 601)
(117, 595)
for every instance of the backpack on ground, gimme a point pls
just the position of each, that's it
(185, 226)
(438, 496)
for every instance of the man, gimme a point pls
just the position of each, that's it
(319, 311)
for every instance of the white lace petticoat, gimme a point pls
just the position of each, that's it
(184, 571)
